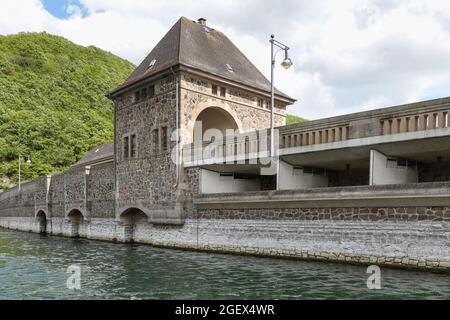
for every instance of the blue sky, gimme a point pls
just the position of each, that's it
(59, 8)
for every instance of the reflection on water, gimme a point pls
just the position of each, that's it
(34, 267)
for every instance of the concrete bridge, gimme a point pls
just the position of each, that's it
(397, 145)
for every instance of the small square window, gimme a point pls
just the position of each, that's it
(214, 89)
(126, 147)
(133, 146)
(222, 91)
(151, 91)
(137, 96)
(144, 93)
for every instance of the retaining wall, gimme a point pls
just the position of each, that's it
(400, 226)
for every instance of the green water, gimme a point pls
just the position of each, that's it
(34, 267)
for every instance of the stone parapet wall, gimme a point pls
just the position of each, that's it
(90, 191)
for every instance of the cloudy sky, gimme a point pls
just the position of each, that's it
(349, 55)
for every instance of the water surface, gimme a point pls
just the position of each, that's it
(34, 267)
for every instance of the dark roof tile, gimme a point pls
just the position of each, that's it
(96, 154)
(187, 43)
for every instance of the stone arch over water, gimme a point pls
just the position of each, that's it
(130, 219)
(41, 217)
(76, 219)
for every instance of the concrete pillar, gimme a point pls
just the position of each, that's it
(431, 121)
(311, 138)
(441, 119)
(324, 136)
(318, 136)
(295, 142)
(386, 170)
(422, 123)
(386, 127)
(337, 136)
(412, 124)
(291, 178)
(403, 127)
(395, 126)
(344, 133)
(330, 135)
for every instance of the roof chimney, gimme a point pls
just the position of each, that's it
(202, 21)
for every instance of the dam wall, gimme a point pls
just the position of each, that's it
(404, 226)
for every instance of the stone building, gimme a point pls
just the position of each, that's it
(369, 187)
(195, 74)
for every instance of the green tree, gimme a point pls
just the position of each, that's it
(52, 102)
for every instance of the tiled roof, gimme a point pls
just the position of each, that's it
(194, 45)
(97, 154)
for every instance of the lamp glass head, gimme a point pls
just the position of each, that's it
(287, 63)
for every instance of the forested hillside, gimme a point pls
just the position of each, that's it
(52, 102)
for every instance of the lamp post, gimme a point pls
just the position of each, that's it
(287, 63)
(27, 160)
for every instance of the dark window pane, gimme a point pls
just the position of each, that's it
(133, 146)
(214, 89)
(260, 103)
(126, 147)
(151, 91)
(164, 138)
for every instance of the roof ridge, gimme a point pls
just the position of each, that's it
(203, 48)
(179, 37)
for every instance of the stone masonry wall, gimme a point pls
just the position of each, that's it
(65, 191)
(410, 237)
(147, 180)
(396, 243)
(333, 214)
(100, 197)
(57, 196)
(196, 96)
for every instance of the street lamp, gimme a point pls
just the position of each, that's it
(287, 63)
(28, 161)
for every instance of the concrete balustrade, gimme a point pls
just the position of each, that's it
(428, 115)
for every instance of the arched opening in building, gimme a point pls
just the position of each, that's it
(76, 220)
(213, 118)
(42, 220)
(131, 218)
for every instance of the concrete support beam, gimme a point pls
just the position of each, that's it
(388, 170)
(290, 178)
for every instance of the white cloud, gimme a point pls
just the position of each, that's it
(349, 55)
